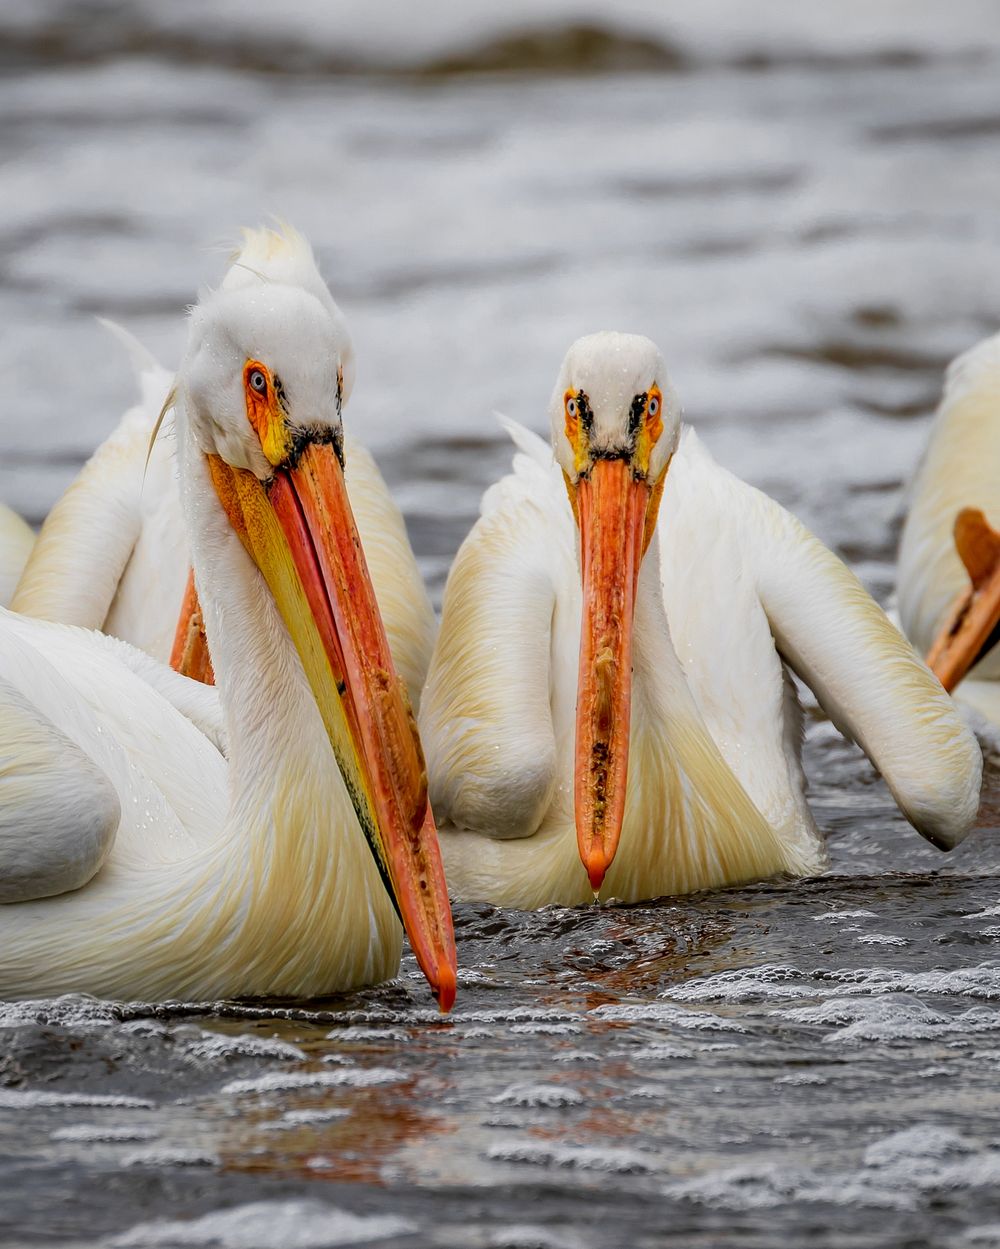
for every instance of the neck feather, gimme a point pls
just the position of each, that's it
(302, 867)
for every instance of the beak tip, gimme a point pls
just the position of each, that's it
(447, 984)
(597, 869)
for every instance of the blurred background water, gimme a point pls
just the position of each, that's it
(798, 202)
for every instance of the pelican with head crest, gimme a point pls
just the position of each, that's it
(134, 859)
(113, 553)
(610, 707)
(949, 555)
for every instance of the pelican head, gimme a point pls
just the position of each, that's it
(615, 425)
(267, 370)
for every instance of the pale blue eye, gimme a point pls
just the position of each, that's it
(654, 406)
(571, 407)
(258, 381)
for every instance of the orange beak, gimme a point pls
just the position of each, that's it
(300, 532)
(612, 506)
(972, 624)
(190, 655)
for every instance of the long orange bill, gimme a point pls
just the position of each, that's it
(321, 585)
(612, 507)
(973, 623)
(190, 655)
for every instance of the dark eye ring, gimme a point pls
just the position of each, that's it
(258, 381)
(653, 406)
(571, 407)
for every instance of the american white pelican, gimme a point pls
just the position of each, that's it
(16, 540)
(199, 878)
(113, 553)
(949, 555)
(671, 670)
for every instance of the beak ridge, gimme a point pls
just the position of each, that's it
(301, 534)
(612, 506)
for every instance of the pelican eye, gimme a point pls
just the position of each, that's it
(257, 381)
(653, 406)
(571, 407)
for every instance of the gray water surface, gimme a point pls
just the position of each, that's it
(798, 202)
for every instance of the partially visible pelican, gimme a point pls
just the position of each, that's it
(949, 555)
(611, 679)
(274, 873)
(113, 554)
(16, 540)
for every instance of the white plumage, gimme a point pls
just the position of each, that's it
(200, 877)
(16, 541)
(113, 553)
(959, 469)
(731, 591)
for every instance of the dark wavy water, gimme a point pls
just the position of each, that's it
(800, 206)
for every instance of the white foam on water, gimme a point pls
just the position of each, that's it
(834, 915)
(881, 938)
(642, 1093)
(653, 1053)
(213, 1046)
(571, 1157)
(545, 1029)
(769, 1185)
(923, 1140)
(929, 1157)
(781, 982)
(79, 1012)
(170, 1156)
(329, 1114)
(982, 980)
(517, 1015)
(576, 1056)
(70, 1010)
(342, 1077)
(662, 1012)
(888, 1019)
(144, 1028)
(894, 1173)
(380, 1036)
(470, 978)
(96, 1133)
(537, 1095)
(743, 984)
(291, 1224)
(30, 1099)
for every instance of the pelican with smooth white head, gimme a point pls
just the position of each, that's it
(610, 706)
(282, 871)
(949, 554)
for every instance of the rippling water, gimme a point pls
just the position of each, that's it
(799, 204)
